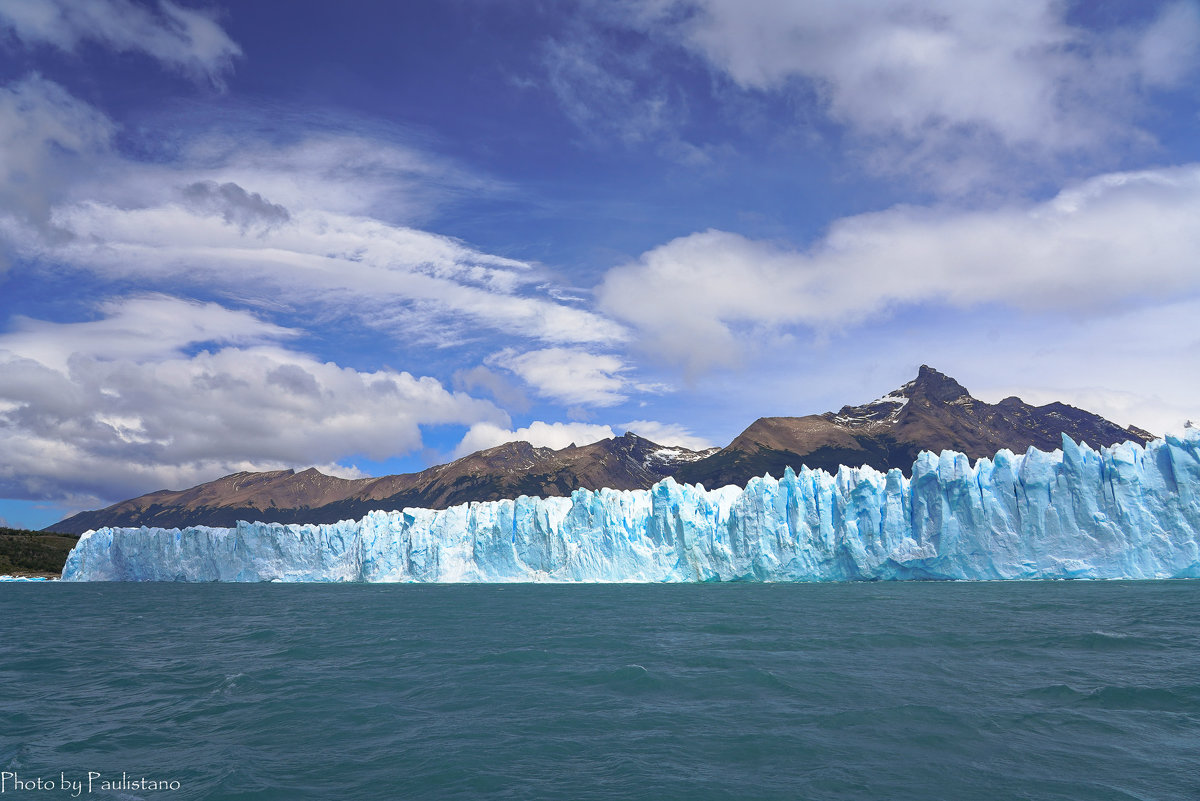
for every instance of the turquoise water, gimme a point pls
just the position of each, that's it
(1063, 690)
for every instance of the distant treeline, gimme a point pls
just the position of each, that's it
(33, 553)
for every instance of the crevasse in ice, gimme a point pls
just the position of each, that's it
(1121, 512)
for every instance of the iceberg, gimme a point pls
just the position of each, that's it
(1124, 512)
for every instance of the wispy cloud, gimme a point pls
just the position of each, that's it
(294, 225)
(385, 276)
(310, 161)
(957, 95)
(186, 39)
(609, 92)
(568, 375)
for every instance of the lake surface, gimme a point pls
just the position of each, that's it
(1056, 690)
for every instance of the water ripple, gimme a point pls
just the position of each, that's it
(1066, 691)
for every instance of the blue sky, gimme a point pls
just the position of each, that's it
(373, 237)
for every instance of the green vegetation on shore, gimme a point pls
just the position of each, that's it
(33, 553)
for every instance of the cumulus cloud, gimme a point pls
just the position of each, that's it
(906, 67)
(1116, 239)
(103, 409)
(86, 412)
(539, 434)
(234, 204)
(185, 39)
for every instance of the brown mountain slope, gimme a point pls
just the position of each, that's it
(932, 412)
(506, 471)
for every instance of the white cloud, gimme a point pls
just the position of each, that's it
(137, 328)
(901, 66)
(212, 219)
(339, 470)
(666, 434)
(1166, 51)
(103, 409)
(539, 434)
(47, 139)
(559, 435)
(353, 174)
(954, 92)
(569, 375)
(1117, 239)
(185, 39)
(387, 276)
(117, 419)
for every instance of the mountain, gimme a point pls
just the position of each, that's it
(932, 412)
(506, 471)
(1073, 513)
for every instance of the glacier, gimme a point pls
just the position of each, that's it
(1124, 512)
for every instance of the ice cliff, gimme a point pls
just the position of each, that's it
(1121, 512)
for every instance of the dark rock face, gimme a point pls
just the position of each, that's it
(932, 412)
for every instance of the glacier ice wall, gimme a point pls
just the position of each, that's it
(1121, 512)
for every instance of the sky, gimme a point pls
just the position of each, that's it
(375, 237)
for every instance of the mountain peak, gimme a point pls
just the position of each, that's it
(934, 385)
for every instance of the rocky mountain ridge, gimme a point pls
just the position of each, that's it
(932, 412)
(309, 496)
